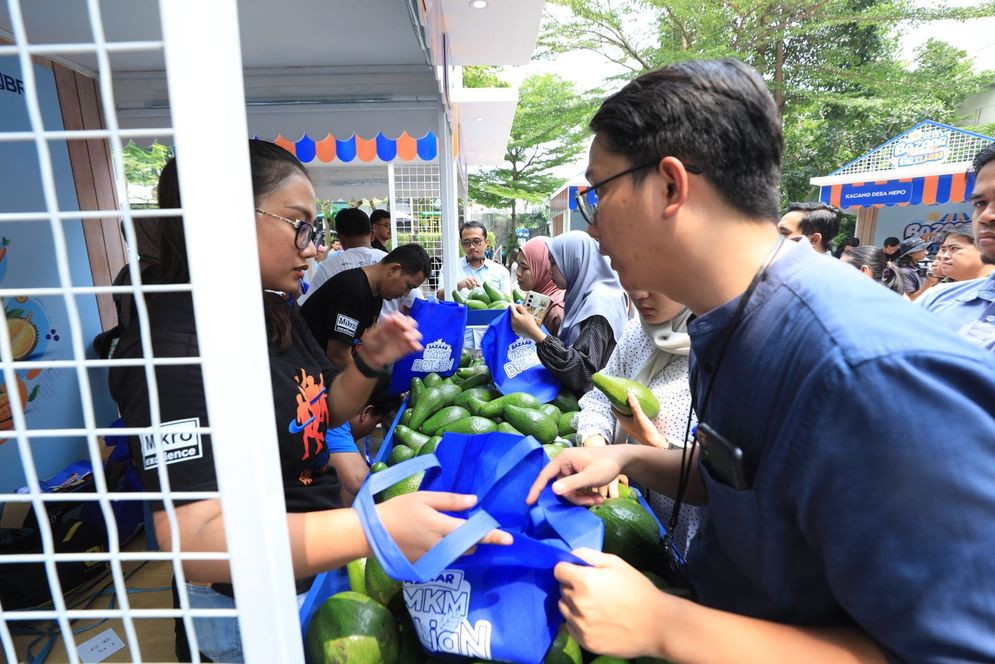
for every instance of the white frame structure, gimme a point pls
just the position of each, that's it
(204, 70)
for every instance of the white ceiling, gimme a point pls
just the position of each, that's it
(317, 66)
(503, 33)
(485, 116)
(292, 33)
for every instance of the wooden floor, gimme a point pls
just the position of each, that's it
(155, 637)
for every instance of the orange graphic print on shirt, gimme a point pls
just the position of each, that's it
(312, 413)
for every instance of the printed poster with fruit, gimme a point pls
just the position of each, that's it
(39, 326)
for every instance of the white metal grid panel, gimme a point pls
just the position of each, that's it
(202, 52)
(416, 211)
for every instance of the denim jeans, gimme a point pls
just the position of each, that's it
(218, 638)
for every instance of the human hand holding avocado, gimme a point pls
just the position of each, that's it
(639, 427)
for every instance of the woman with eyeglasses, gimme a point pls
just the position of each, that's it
(309, 399)
(594, 313)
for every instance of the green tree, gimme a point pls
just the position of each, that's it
(549, 130)
(483, 76)
(143, 165)
(833, 66)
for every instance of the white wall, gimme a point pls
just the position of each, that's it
(922, 220)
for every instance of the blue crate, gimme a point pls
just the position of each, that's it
(325, 585)
(483, 317)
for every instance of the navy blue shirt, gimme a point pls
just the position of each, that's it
(869, 428)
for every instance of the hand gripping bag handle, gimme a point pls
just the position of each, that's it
(386, 551)
(565, 521)
(450, 547)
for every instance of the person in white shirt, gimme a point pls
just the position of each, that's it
(353, 228)
(474, 268)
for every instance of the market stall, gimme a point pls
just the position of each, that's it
(916, 184)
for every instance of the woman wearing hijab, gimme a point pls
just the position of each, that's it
(594, 313)
(535, 274)
(653, 352)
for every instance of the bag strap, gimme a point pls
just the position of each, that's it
(563, 518)
(388, 440)
(386, 551)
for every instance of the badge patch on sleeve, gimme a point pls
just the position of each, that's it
(346, 325)
(179, 443)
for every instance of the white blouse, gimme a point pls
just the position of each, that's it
(671, 388)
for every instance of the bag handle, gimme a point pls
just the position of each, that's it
(564, 520)
(386, 551)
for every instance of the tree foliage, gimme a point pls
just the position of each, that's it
(833, 67)
(143, 165)
(483, 76)
(549, 130)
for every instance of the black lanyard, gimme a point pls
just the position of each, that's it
(687, 455)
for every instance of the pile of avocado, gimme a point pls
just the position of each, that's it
(369, 623)
(467, 402)
(488, 297)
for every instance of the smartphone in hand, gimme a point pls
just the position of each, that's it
(537, 304)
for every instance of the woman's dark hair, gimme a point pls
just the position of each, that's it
(883, 271)
(714, 114)
(965, 231)
(270, 165)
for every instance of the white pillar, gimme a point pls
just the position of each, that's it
(449, 209)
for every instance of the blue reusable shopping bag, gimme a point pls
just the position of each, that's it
(441, 325)
(500, 602)
(514, 363)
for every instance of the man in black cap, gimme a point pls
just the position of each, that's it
(913, 249)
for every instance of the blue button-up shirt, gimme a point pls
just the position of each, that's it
(960, 303)
(489, 272)
(867, 425)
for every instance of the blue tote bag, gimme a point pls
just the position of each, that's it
(514, 362)
(500, 602)
(441, 325)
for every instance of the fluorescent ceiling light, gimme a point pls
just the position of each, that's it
(478, 4)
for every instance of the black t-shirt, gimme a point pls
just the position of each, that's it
(342, 308)
(300, 378)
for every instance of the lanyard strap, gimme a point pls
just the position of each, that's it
(687, 455)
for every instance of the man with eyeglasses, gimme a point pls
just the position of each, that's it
(475, 268)
(838, 529)
(380, 221)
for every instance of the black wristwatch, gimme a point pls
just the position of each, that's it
(366, 369)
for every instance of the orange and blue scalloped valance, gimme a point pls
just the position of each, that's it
(925, 190)
(331, 149)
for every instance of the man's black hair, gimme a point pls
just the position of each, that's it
(983, 157)
(412, 259)
(378, 214)
(818, 218)
(352, 222)
(892, 241)
(473, 224)
(714, 114)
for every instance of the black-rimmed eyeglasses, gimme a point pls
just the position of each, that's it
(306, 232)
(589, 210)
